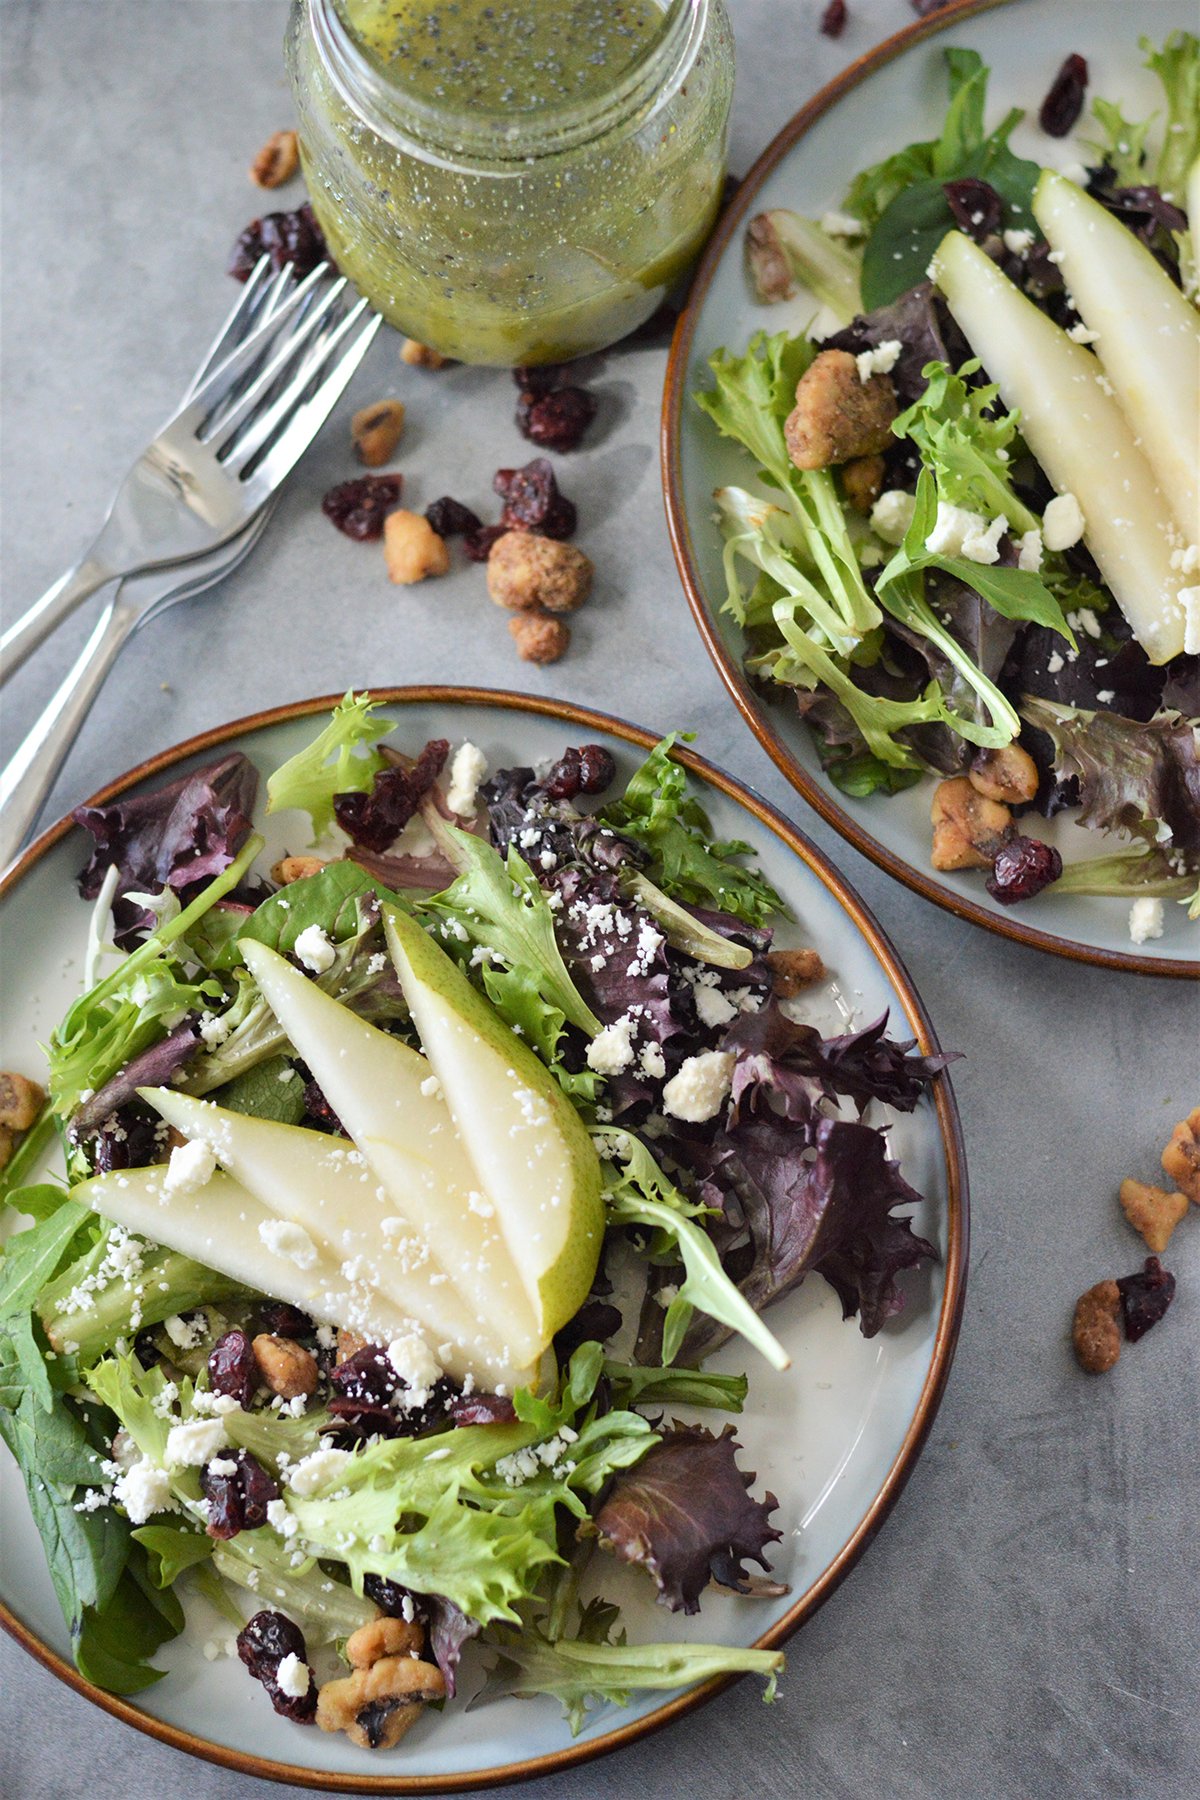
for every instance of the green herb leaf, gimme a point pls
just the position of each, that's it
(340, 760)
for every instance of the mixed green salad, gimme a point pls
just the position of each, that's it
(973, 547)
(408, 1186)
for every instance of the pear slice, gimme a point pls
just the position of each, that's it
(532, 1154)
(1148, 336)
(328, 1187)
(1079, 435)
(385, 1095)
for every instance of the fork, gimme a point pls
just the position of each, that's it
(218, 460)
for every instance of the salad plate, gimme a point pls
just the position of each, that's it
(832, 1438)
(895, 94)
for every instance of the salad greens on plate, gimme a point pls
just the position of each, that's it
(409, 1183)
(968, 544)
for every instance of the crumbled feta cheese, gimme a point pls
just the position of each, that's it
(879, 361)
(1054, 662)
(1029, 550)
(431, 1087)
(213, 1405)
(466, 772)
(1018, 241)
(840, 224)
(480, 1205)
(1189, 600)
(183, 1334)
(652, 1062)
(292, 1676)
(213, 1030)
(952, 527)
(610, 1050)
(697, 1092)
(314, 1470)
(191, 1446)
(191, 1167)
(1081, 335)
(282, 1238)
(892, 514)
(983, 546)
(416, 1365)
(315, 950)
(1145, 919)
(713, 1008)
(143, 1490)
(1185, 558)
(1063, 522)
(281, 1520)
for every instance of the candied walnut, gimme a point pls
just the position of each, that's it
(792, 970)
(349, 1343)
(413, 548)
(295, 868)
(21, 1100)
(376, 430)
(524, 571)
(7, 1146)
(377, 1705)
(837, 416)
(384, 1637)
(1009, 774)
(277, 161)
(539, 639)
(862, 482)
(1181, 1158)
(1094, 1334)
(1152, 1211)
(421, 356)
(968, 830)
(287, 1368)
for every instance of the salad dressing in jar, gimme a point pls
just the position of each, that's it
(513, 181)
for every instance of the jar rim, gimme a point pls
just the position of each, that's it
(504, 143)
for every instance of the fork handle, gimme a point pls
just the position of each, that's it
(29, 776)
(34, 627)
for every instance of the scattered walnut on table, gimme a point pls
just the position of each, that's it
(376, 430)
(838, 416)
(286, 1367)
(792, 970)
(525, 571)
(1153, 1212)
(539, 638)
(1095, 1336)
(1181, 1158)
(277, 161)
(412, 548)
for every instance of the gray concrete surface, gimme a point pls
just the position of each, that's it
(1026, 1627)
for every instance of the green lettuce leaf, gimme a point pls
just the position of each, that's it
(1177, 66)
(340, 760)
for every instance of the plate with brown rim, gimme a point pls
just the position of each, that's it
(835, 1438)
(893, 95)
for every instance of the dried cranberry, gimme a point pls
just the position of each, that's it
(833, 19)
(238, 1490)
(597, 770)
(368, 1376)
(1064, 103)
(558, 420)
(450, 518)
(396, 1601)
(376, 819)
(539, 380)
(532, 501)
(262, 1646)
(564, 780)
(286, 237)
(1145, 1297)
(977, 207)
(478, 544)
(285, 1321)
(482, 1409)
(129, 1138)
(232, 1369)
(1023, 867)
(359, 507)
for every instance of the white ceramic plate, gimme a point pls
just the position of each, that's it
(834, 1438)
(894, 95)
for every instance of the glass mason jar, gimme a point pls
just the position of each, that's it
(517, 182)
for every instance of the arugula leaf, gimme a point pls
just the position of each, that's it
(113, 1645)
(33, 1256)
(40, 1201)
(329, 899)
(22, 1364)
(170, 1549)
(517, 997)
(859, 773)
(633, 1385)
(340, 760)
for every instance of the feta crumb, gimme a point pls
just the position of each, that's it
(466, 772)
(431, 1087)
(1080, 334)
(315, 950)
(416, 1365)
(984, 546)
(952, 527)
(143, 1490)
(184, 1335)
(840, 224)
(281, 1520)
(652, 1062)
(1189, 600)
(480, 1205)
(191, 1167)
(610, 1050)
(191, 1446)
(1029, 550)
(292, 1676)
(713, 1008)
(697, 1092)
(314, 1470)
(1063, 523)
(213, 1030)
(879, 361)
(282, 1238)
(1018, 241)
(892, 514)
(1145, 919)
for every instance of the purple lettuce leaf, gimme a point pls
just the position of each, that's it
(789, 1064)
(154, 1067)
(1138, 778)
(684, 1513)
(920, 321)
(450, 1630)
(548, 832)
(179, 836)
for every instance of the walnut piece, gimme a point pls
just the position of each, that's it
(7, 1146)
(412, 548)
(286, 1367)
(539, 639)
(377, 1705)
(383, 1637)
(838, 417)
(1009, 774)
(1153, 1212)
(862, 482)
(1095, 1336)
(1181, 1158)
(21, 1100)
(525, 571)
(349, 1343)
(295, 868)
(967, 829)
(420, 356)
(376, 430)
(277, 161)
(792, 970)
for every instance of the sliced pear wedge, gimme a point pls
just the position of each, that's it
(1079, 435)
(532, 1155)
(328, 1187)
(385, 1095)
(1148, 336)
